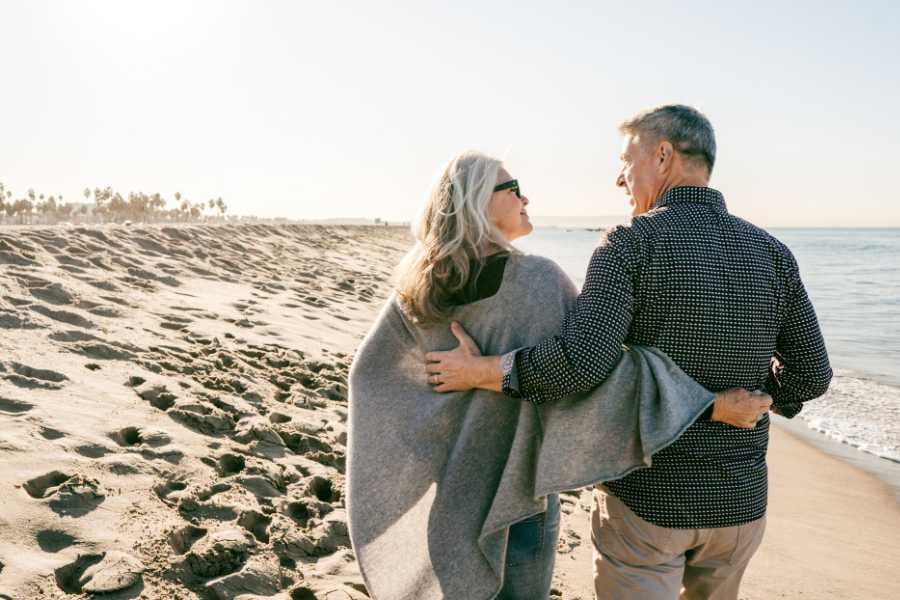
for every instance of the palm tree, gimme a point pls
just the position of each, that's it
(23, 207)
(220, 204)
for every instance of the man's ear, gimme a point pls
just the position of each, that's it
(665, 154)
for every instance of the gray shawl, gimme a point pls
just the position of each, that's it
(435, 480)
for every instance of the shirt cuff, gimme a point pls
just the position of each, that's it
(510, 374)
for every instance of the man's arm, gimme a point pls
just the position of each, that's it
(802, 371)
(589, 345)
(579, 358)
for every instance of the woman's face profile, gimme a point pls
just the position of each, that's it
(506, 210)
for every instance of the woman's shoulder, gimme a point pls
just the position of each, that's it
(534, 265)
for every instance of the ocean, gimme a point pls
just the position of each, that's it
(853, 279)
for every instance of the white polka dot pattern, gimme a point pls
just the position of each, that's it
(722, 297)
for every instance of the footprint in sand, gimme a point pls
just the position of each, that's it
(63, 316)
(175, 322)
(29, 377)
(278, 417)
(230, 464)
(118, 300)
(314, 301)
(52, 293)
(158, 396)
(101, 351)
(170, 491)
(323, 489)
(183, 538)
(54, 540)
(303, 593)
(30, 383)
(135, 381)
(102, 284)
(105, 311)
(127, 436)
(15, 320)
(220, 487)
(70, 261)
(68, 495)
(217, 554)
(256, 523)
(48, 433)
(91, 450)
(10, 406)
(72, 335)
(202, 418)
(99, 573)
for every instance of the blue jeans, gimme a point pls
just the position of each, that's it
(530, 554)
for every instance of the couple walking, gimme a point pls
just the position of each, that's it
(639, 385)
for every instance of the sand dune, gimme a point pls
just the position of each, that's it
(173, 407)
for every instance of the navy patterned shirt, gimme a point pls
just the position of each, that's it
(724, 300)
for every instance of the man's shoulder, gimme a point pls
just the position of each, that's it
(754, 234)
(651, 224)
(664, 226)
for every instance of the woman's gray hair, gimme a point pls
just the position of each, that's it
(453, 234)
(689, 131)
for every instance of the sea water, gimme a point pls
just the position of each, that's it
(853, 279)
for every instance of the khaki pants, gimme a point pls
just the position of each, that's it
(634, 559)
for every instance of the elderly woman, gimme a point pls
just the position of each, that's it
(451, 495)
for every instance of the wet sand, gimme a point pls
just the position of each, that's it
(833, 532)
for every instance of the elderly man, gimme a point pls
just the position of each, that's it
(724, 299)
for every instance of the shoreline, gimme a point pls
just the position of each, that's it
(832, 532)
(833, 528)
(883, 469)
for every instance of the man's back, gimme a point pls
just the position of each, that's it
(711, 291)
(721, 297)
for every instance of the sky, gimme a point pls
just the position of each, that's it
(351, 109)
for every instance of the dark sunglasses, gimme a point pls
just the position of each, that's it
(512, 184)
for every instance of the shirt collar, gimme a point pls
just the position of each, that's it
(691, 195)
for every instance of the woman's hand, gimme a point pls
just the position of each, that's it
(463, 368)
(741, 408)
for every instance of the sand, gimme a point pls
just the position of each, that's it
(833, 533)
(173, 412)
(173, 408)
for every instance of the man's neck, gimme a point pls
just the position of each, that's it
(684, 180)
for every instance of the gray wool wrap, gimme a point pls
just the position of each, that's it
(435, 480)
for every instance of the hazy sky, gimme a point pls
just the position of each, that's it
(339, 109)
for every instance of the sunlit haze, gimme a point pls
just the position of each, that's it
(350, 109)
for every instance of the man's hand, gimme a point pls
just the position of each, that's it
(463, 368)
(741, 408)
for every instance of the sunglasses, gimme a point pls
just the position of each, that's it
(512, 184)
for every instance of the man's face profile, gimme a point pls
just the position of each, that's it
(637, 175)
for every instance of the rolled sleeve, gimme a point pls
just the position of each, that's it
(510, 374)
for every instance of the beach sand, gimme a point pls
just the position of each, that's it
(172, 425)
(173, 408)
(833, 532)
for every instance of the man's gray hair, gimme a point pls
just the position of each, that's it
(690, 133)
